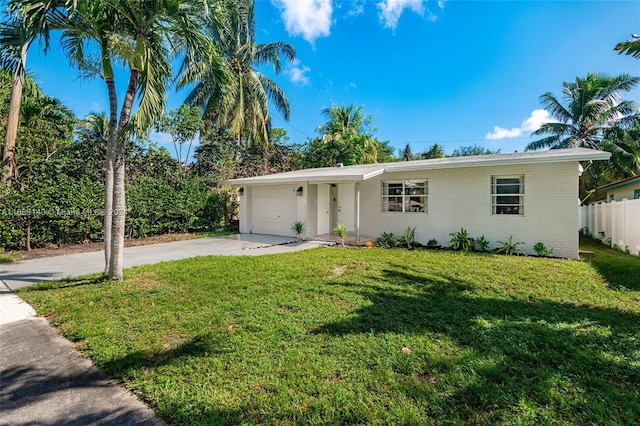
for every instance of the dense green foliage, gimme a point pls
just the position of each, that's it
(346, 137)
(316, 337)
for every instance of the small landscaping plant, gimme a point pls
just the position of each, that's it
(461, 241)
(508, 247)
(298, 229)
(541, 250)
(408, 239)
(387, 240)
(433, 243)
(482, 243)
(340, 231)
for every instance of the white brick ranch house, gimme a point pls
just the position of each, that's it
(532, 196)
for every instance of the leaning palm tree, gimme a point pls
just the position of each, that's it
(16, 35)
(236, 97)
(593, 107)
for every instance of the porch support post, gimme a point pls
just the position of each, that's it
(357, 210)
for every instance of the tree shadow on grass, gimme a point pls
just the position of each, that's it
(66, 283)
(542, 352)
(620, 270)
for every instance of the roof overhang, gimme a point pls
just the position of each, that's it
(333, 175)
(621, 183)
(363, 172)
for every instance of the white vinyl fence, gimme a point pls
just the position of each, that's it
(615, 223)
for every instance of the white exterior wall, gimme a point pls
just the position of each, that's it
(461, 198)
(245, 211)
(458, 198)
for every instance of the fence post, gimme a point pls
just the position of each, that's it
(612, 222)
(625, 223)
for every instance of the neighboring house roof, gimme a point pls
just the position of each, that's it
(366, 171)
(620, 183)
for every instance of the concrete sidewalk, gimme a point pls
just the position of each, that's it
(43, 379)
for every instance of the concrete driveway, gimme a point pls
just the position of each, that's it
(28, 272)
(43, 379)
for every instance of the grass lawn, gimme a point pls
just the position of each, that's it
(317, 337)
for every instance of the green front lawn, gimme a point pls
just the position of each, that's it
(335, 336)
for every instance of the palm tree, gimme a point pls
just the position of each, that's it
(629, 47)
(351, 131)
(16, 36)
(235, 97)
(595, 117)
(593, 109)
(144, 35)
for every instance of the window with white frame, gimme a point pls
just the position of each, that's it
(507, 195)
(405, 196)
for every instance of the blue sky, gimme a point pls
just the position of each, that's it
(452, 72)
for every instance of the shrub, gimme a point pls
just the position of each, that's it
(541, 250)
(408, 239)
(461, 241)
(508, 247)
(387, 240)
(433, 243)
(482, 243)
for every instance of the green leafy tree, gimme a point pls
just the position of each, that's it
(346, 137)
(235, 95)
(183, 124)
(465, 151)
(217, 156)
(434, 151)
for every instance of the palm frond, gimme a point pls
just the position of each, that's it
(629, 47)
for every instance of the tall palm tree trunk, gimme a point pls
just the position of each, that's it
(112, 141)
(8, 154)
(118, 213)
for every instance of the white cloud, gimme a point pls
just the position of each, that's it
(530, 124)
(391, 10)
(309, 18)
(357, 8)
(502, 133)
(441, 3)
(537, 118)
(297, 73)
(353, 85)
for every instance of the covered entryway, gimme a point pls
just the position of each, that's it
(274, 209)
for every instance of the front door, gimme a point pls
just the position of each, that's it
(333, 206)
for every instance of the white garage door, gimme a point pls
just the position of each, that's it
(273, 210)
